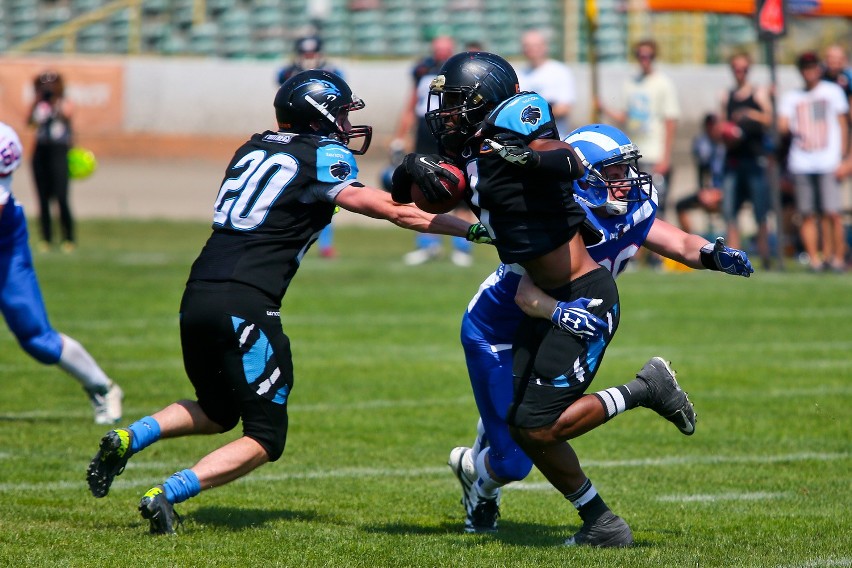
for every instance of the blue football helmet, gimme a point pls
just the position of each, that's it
(602, 146)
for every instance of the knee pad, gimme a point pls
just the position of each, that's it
(514, 466)
(45, 348)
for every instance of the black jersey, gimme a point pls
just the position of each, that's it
(277, 195)
(528, 214)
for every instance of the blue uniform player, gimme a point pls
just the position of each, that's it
(617, 225)
(278, 193)
(22, 304)
(519, 177)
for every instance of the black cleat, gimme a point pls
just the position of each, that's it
(665, 396)
(109, 461)
(156, 508)
(609, 531)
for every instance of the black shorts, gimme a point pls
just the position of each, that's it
(552, 368)
(238, 359)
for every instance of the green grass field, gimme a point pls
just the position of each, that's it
(382, 396)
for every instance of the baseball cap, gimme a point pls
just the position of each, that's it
(308, 44)
(807, 59)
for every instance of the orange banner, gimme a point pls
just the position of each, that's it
(746, 7)
(96, 89)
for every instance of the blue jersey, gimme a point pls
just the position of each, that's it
(493, 309)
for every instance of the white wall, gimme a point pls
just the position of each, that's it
(221, 97)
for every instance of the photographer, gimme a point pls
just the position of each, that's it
(50, 115)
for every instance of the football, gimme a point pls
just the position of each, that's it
(445, 205)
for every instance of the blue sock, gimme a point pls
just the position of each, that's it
(461, 244)
(145, 432)
(181, 486)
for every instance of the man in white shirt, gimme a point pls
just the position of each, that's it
(817, 119)
(551, 79)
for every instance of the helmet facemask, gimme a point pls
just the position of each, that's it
(454, 113)
(337, 125)
(614, 182)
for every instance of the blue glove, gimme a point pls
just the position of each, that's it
(575, 318)
(717, 256)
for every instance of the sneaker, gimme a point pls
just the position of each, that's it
(156, 508)
(480, 513)
(109, 461)
(461, 258)
(421, 256)
(108, 405)
(665, 396)
(608, 531)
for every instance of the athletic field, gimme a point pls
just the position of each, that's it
(381, 397)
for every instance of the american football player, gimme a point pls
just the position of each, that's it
(278, 192)
(22, 304)
(621, 207)
(523, 197)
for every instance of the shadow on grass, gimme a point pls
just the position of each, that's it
(236, 519)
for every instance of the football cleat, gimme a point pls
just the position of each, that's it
(108, 405)
(160, 513)
(481, 513)
(609, 531)
(109, 461)
(665, 397)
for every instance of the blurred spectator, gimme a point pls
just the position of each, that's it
(835, 69)
(50, 115)
(413, 120)
(748, 114)
(308, 54)
(548, 77)
(648, 113)
(817, 118)
(708, 153)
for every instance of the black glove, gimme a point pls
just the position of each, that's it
(511, 148)
(425, 170)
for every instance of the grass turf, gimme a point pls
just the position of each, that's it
(381, 396)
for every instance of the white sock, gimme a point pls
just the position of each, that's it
(77, 362)
(485, 485)
(480, 441)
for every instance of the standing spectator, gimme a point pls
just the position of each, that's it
(748, 113)
(309, 55)
(708, 153)
(835, 70)
(649, 112)
(22, 304)
(412, 120)
(50, 115)
(548, 77)
(817, 119)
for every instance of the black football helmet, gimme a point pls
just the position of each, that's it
(319, 102)
(468, 86)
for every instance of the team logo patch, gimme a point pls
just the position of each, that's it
(340, 170)
(531, 114)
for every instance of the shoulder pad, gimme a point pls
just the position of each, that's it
(526, 114)
(335, 162)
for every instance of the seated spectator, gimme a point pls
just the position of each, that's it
(708, 152)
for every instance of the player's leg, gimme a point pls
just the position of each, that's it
(23, 308)
(257, 368)
(494, 459)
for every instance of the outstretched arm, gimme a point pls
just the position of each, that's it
(379, 204)
(573, 317)
(696, 251)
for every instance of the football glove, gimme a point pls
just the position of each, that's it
(717, 256)
(477, 233)
(512, 149)
(575, 318)
(425, 170)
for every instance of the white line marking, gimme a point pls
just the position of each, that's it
(731, 496)
(264, 475)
